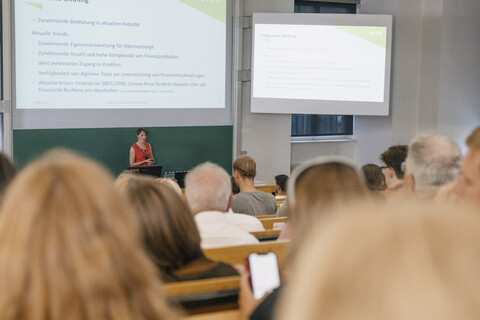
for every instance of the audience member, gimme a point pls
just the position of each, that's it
(281, 191)
(208, 192)
(467, 186)
(393, 159)
(71, 248)
(170, 232)
(432, 161)
(281, 186)
(374, 178)
(416, 262)
(321, 182)
(7, 173)
(172, 183)
(250, 200)
(315, 187)
(122, 179)
(235, 188)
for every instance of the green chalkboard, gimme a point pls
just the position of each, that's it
(176, 148)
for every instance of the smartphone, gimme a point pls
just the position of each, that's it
(264, 274)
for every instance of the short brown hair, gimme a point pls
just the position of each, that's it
(245, 166)
(394, 157)
(71, 247)
(374, 178)
(473, 140)
(169, 229)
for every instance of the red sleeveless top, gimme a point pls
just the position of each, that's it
(140, 154)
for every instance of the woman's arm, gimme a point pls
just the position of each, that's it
(152, 158)
(132, 159)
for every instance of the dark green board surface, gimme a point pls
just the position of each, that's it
(176, 148)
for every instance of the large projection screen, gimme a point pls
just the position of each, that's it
(120, 63)
(321, 63)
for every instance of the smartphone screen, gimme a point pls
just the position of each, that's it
(264, 274)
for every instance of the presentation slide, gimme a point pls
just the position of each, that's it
(320, 62)
(114, 54)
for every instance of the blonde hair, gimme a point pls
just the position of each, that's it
(172, 184)
(414, 261)
(122, 180)
(473, 140)
(71, 249)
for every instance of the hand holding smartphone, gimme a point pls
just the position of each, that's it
(264, 274)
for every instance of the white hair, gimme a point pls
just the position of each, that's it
(208, 187)
(433, 160)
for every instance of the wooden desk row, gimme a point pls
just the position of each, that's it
(220, 287)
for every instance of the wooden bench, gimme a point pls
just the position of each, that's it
(267, 235)
(218, 315)
(238, 254)
(174, 289)
(267, 187)
(268, 222)
(266, 216)
(209, 298)
(206, 295)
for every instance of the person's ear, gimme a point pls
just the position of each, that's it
(390, 172)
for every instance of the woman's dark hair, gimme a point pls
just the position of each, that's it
(374, 177)
(140, 130)
(169, 229)
(7, 173)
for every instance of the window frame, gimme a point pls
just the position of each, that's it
(325, 137)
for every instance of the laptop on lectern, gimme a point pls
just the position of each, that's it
(155, 171)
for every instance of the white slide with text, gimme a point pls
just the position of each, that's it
(116, 54)
(321, 63)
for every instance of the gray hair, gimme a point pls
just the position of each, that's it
(208, 187)
(433, 160)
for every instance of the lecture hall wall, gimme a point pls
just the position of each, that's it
(435, 85)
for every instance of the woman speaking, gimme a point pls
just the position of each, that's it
(141, 151)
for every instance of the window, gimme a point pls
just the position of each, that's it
(322, 125)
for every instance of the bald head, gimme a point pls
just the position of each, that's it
(208, 188)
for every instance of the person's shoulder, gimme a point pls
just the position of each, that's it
(266, 195)
(241, 216)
